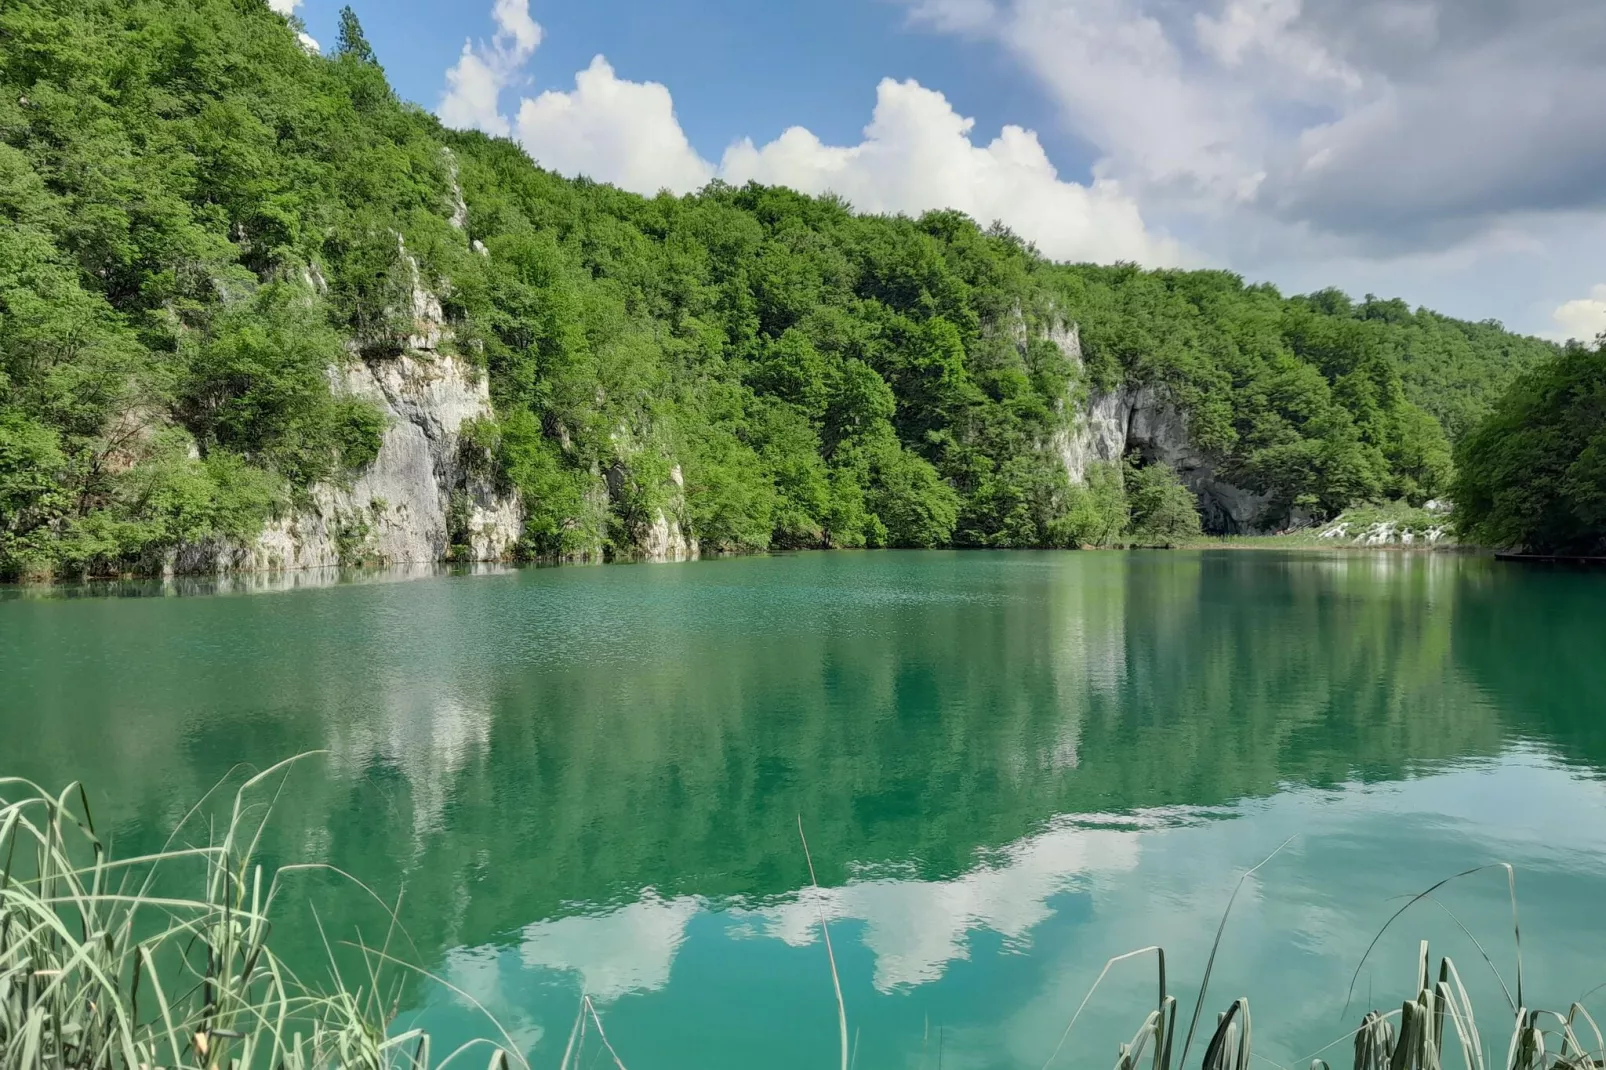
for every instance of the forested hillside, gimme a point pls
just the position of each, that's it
(1533, 476)
(202, 219)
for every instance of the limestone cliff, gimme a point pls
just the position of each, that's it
(1111, 423)
(668, 537)
(424, 499)
(653, 532)
(420, 499)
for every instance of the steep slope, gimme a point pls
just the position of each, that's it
(1533, 476)
(257, 312)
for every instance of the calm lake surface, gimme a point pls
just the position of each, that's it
(1010, 767)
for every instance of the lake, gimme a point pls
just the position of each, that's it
(1010, 767)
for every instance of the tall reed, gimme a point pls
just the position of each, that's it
(103, 968)
(1434, 1029)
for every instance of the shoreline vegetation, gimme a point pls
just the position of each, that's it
(1369, 530)
(208, 225)
(106, 965)
(278, 580)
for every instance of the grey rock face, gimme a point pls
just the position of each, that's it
(667, 535)
(402, 509)
(459, 206)
(1112, 423)
(666, 539)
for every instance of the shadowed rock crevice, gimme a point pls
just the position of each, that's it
(1114, 423)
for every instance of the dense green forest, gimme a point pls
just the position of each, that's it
(201, 218)
(1534, 474)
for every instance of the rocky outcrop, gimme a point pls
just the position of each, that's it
(423, 500)
(666, 541)
(666, 534)
(1097, 431)
(458, 205)
(1112, 423)
(670, 540)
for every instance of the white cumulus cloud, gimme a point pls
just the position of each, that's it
(1320, 133)
(1124, 84)
(284, 7)
(917, 154)
(613, 130)
(516, 31)
(473, 87)
(913, 929)
(1583, 318)
(1267, 31)
(916, 929)
(475, 83)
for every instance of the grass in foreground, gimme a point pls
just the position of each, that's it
(1433, 1029)
(102, 969)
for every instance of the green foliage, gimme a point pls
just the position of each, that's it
(32, 491)
(356, 430)
(1533, 476)
(1302, 399)
(1162, 509)
(1098, 515)
(352, 42)
(559, 522)
(165, 172)
(201, 220)
(257, 385)
(910, 499)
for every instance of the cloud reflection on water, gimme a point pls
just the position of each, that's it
(630, 949)
(914, 929)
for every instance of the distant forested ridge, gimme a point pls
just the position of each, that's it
(203, 223)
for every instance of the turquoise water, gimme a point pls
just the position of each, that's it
(1010, 767)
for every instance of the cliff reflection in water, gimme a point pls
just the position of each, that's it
(527, 748)
(915, 723)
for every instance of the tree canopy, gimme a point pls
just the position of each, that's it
(1533, 476)
(202, 216)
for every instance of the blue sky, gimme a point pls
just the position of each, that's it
(1445, 151)
(735, 67)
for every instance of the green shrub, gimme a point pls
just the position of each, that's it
(1163, 511)
(1098, 514)
(911, 501)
